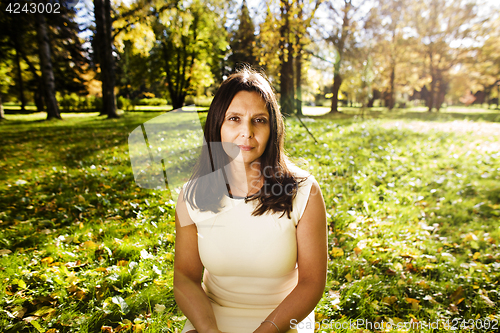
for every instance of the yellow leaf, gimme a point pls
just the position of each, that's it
(72, 278)
(139, 327)
(349, 277)
(47, 260)
(412, 300)
(80, 295)
(389, 300)
(44, 310)
(470, 237)
(21, 284)
(476, 255)
(337, 252)
(457, 294)
(122, 263)
(398, 267)
(89, 244)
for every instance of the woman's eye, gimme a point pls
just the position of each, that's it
(261, 120)
(233, 118)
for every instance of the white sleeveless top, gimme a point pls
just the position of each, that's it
(250, 261)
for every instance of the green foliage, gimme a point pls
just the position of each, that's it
(243, 41)
(124, 103)
(413, 209)
(151, 101)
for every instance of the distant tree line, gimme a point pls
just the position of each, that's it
(347, 51)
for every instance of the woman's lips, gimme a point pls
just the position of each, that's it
(245, 148)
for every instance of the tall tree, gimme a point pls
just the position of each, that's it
(243, 41)
(303, 22)
(46, 67)
(343, 39)
(191, 38)
(387, 22)
(5, 82)
(103, 49)
(286, 21)
(442, 27)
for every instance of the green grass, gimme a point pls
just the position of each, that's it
(413, 203)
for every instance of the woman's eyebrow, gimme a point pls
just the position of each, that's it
(262, 114)
(236, 113)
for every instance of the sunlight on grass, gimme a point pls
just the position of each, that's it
(412, 201)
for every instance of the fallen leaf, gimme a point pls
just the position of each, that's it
(44, 310)
(107, 329)
(89, 245)
(488, 301)
(389, 300)
(457, 294)
(412, 300)
(47, 260)
(159, 308)
(337, 252)
(5, 252)
(19, 313)
(430, 299)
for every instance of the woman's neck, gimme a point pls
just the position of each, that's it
(244, 178)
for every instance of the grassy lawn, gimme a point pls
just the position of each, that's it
(413, 202)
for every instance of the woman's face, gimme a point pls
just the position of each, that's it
(246, 125)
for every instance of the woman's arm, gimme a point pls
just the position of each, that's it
(312, 265)
(188, 272)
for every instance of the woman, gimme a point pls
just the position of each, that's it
(251, 242)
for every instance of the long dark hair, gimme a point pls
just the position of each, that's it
(208, 183)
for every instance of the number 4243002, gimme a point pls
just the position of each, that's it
(33, 8)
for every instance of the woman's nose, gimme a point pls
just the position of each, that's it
(247, 130)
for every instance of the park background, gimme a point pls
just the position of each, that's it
(391, 104)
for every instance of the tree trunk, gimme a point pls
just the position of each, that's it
(441, 93)
(298, 82)
(46, 68)
(432, 94)
(391, 103)
(337, 78)
(22, 99)
(286, 59)
(102, 12)
(337, 82)
(39, 100)
(2, 117)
